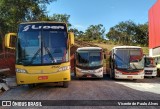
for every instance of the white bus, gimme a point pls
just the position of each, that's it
(127, 62)
(89, 62)
(150, 68)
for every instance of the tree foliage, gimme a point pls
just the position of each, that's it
(129, 33)
(77, 33)
(95, 32)
(61, 18)
(141, 36)
(12, 12)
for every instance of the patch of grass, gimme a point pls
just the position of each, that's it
(145, 50)
(110, 46)
(106, 46)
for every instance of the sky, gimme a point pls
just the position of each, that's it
(109, 13)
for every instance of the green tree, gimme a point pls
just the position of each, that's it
(61, 18)
(129, 33)
(141, 36)
(12, 12)
(123, 33)
(77, 33)
(95, 32)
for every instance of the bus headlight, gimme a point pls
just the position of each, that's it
(99, 71)
(141, 73)
(78, 70)
(20, 70)
(118, 72)
(64, 68)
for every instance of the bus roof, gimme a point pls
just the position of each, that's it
(89, 48)
(126, 47)
(43, 22)
(149, 57)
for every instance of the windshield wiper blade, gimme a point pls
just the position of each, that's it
(34, 56)
(49, 53)
(134, 66)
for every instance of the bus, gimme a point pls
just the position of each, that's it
(150, 68)
(126, 62)
(7, 55)
(43, 53)
(157, 61)
(89, 62)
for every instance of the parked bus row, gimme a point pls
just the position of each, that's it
(125, 62)
(43, 55)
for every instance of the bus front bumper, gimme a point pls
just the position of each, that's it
(98, 73)
(150, 72)
(25, 78)
(119, 76)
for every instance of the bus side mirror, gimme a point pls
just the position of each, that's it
(10, 40)
(71, 38)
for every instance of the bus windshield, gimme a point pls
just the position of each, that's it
(157, 60)
(129, 59)
(89, 59)
(149, 62)
(39, 47)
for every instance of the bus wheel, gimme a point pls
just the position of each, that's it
(65, 84)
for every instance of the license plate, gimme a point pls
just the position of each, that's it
(129, 77)
(42, 77)
(89, 76)
(148, 73)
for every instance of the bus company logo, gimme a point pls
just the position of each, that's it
(6, 103)
(34, 27)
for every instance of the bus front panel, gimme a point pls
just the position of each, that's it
(42, 74)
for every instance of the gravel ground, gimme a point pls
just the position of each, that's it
(90, 89)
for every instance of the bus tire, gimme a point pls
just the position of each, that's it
(65, 84)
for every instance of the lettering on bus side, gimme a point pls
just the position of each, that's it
(55, 66)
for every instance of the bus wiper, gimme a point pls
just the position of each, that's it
(132, 63)
(134, 66)
(34, 56)
(49, 53)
